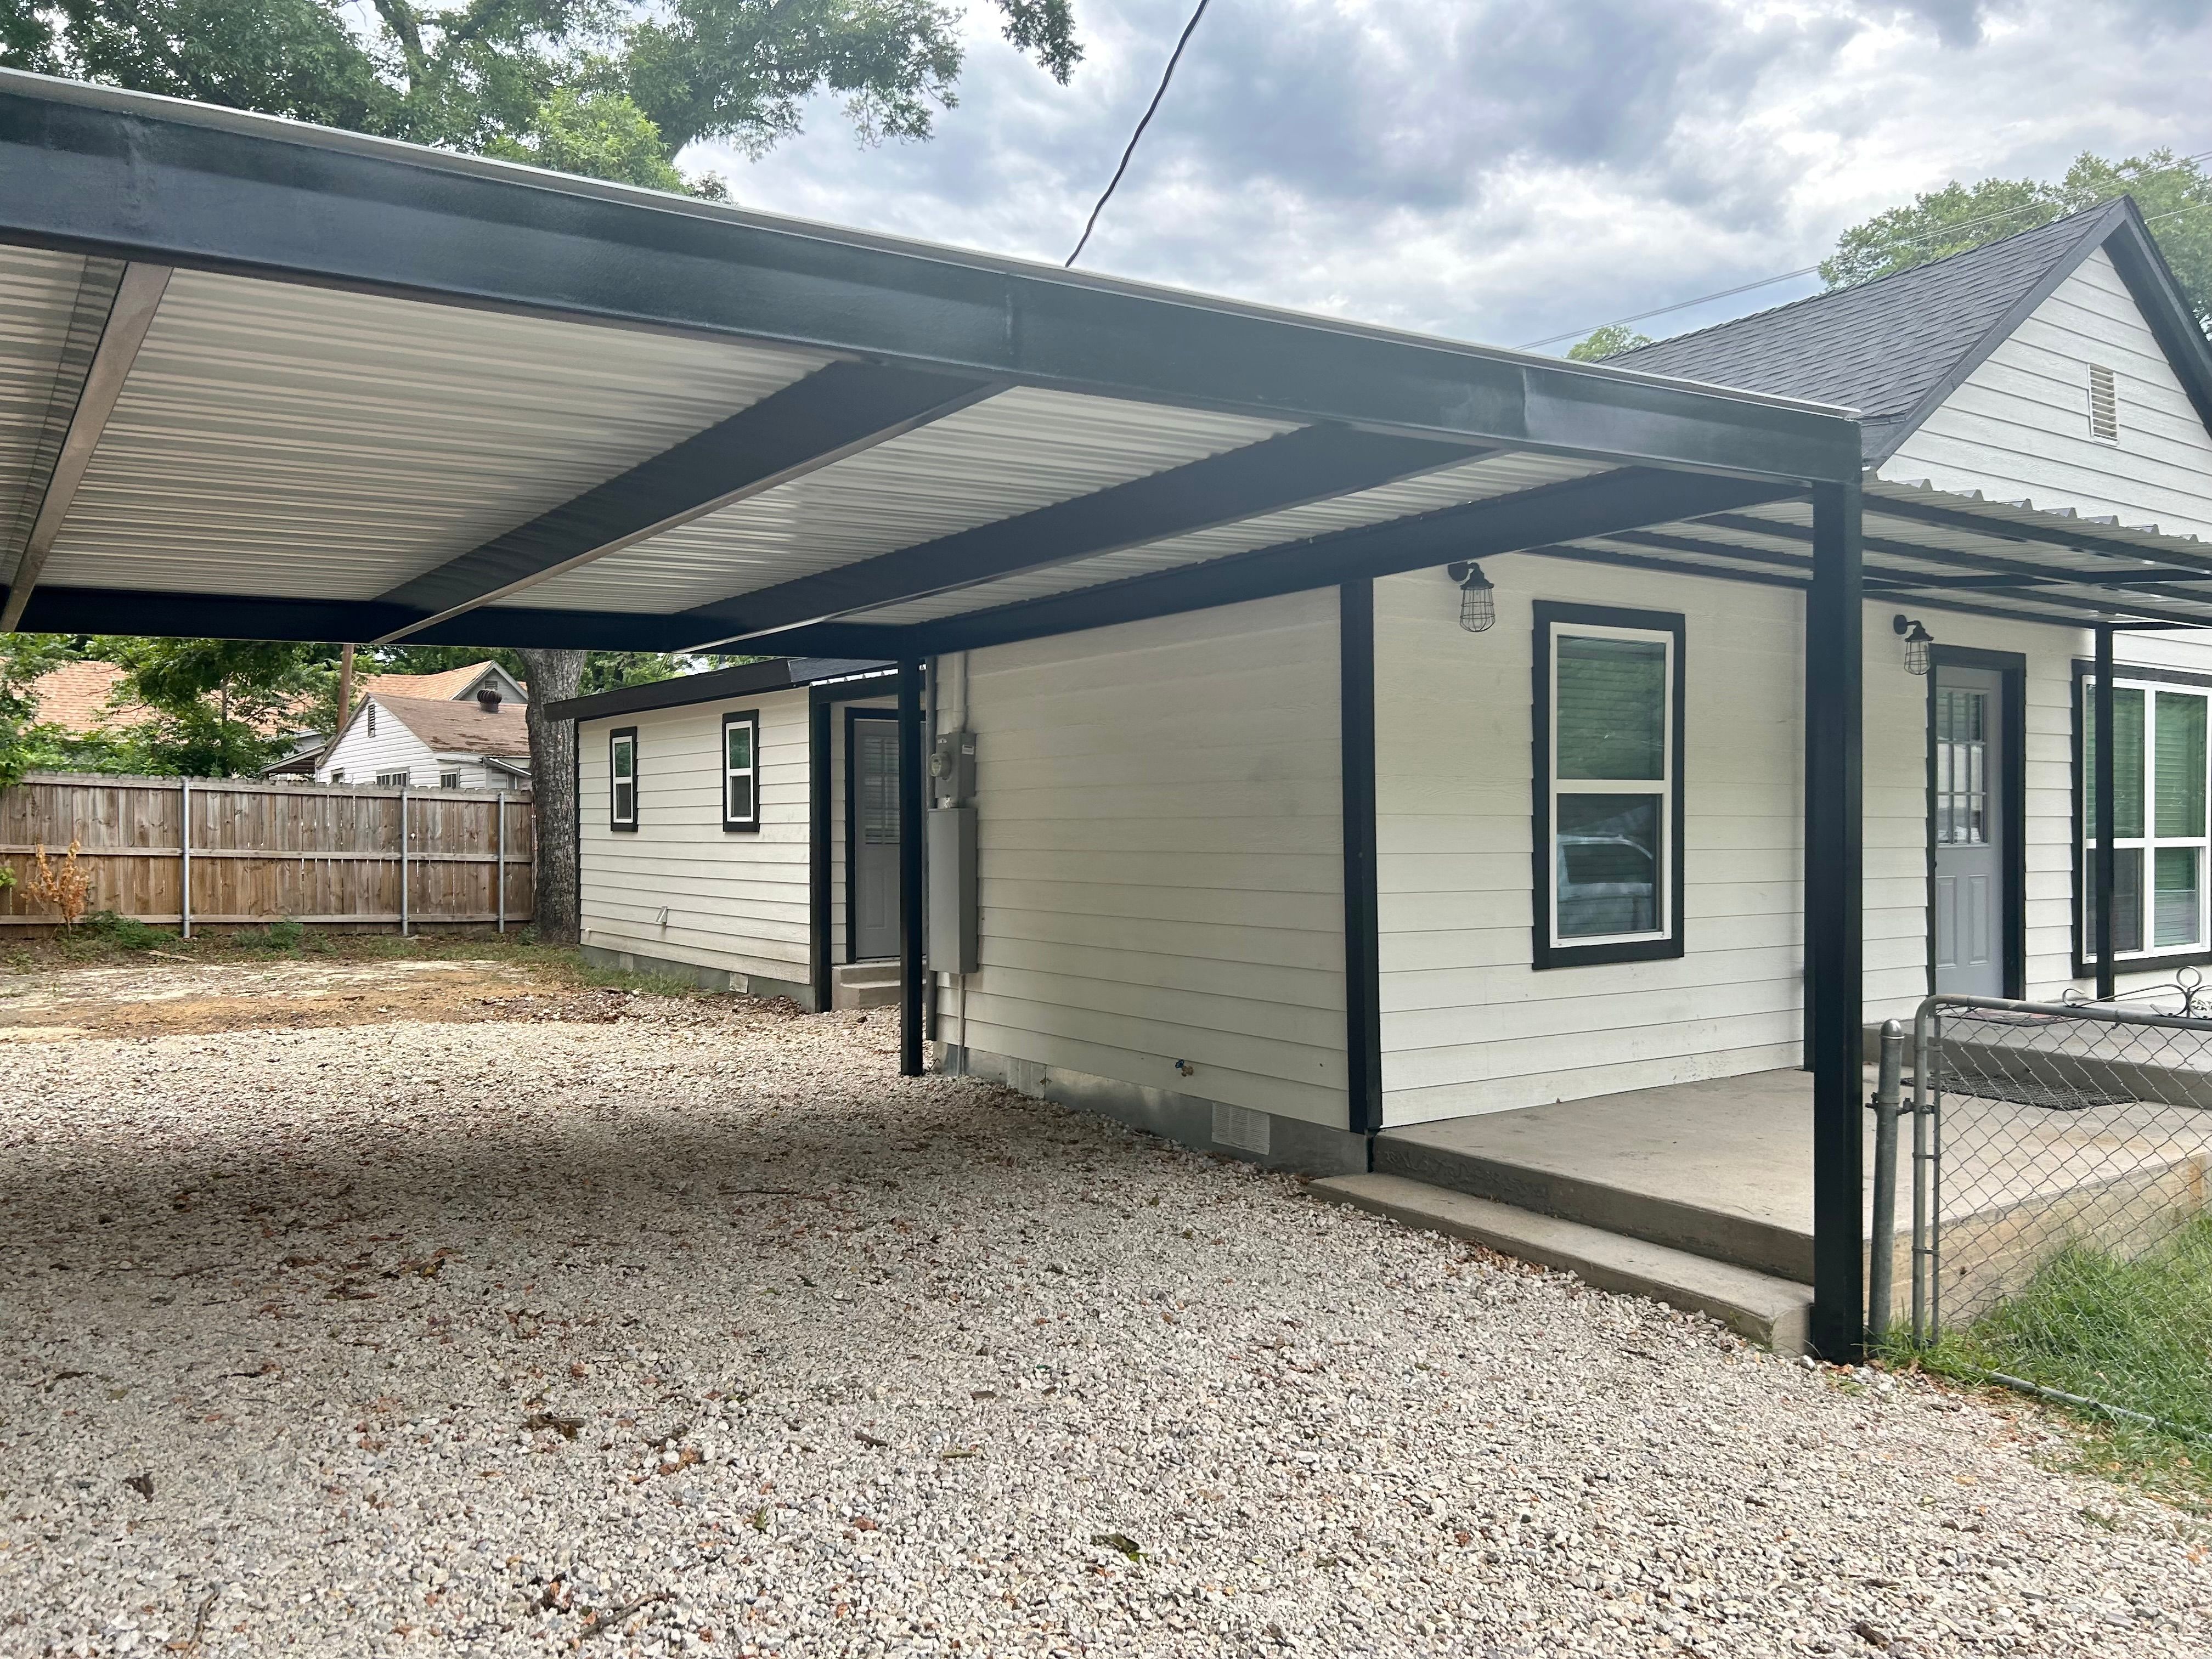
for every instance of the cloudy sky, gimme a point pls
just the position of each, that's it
(1502, 170)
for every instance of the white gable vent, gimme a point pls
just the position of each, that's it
(2103, 405)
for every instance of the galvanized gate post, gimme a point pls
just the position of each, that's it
(403, 861)
(185, 847)
(499, 869)
(1881, 1248)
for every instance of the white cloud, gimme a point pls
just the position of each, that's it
(1496, 170)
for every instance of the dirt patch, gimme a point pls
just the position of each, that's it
(165, 996)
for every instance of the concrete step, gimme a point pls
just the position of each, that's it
(864, 985)
(1579, 1173)
(1769, 1309)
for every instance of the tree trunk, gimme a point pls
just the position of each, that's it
(555, 675)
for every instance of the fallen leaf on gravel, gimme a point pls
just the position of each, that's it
(1119, 1540)
(1868, 1634)
(141, 1483)
(568, 1427)
(870, 1440)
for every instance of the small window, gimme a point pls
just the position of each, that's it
(392, 779)
(2103, 405)
(1608, 731)
(622, 779)
(449, 779)
(741, 771)
(337, 774)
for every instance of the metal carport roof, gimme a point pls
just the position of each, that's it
(265, 380)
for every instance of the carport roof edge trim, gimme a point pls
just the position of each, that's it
(93, 168)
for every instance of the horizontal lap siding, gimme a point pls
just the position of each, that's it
(1161, 857)
(2018, 425)
(736, 900)
(1469, 1026)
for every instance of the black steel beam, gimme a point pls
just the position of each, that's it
(1762, 577)
(1600, 506)
(819, 711)
(2060, 533)
(93, 169)
(1834, 897)
(2106, 860)
(1309, 464)
(836, 412)
(1362, 990)
(910, 868)
(126, 302)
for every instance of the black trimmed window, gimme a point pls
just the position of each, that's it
(2161, 792)
(621, 778)
(741, 770)
(1609, 728)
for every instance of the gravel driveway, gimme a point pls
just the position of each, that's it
(700, 1331)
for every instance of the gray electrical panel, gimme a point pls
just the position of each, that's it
(952, 913)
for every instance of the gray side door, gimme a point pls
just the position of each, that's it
(1971, 877)
(874, 861)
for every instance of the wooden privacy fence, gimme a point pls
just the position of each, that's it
(191, 851)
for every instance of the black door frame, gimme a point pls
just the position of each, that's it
(2011, 668)
(852, 830)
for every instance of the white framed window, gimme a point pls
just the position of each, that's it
(741, 770)
(449, 779)
(622, 779)
(2160, 848)
(392, 779)
(337, 774)
(1609, 785)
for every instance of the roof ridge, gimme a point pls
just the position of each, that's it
(1872, 283)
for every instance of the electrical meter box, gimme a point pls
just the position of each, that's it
(949, 938)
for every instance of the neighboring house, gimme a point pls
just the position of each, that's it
(740, 828)
(78, 697)
(422, 743)
(311, 749)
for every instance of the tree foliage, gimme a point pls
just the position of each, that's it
(2174, 194)
(1607, 341)
(597, 87)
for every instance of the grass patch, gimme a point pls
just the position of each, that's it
(2134, 1333)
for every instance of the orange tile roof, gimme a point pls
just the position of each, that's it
(452, 683)
(75, 697)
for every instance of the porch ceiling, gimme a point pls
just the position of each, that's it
(268, 381)
(1939, 549)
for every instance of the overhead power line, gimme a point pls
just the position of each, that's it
(1809, 270)
(1158, 93)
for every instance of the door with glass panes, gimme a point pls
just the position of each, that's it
(2159, 843)
(873, 866)
(1972, 884)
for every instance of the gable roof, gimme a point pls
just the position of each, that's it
(1895, 348)
(451, 684)
(743, 680)
(447, 727)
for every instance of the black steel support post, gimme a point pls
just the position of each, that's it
(1363, 1031)
(1834, 878)
(2104, 859)
(820, 784)
(910, 803)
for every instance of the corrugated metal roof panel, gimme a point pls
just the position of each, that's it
(1470, 481)
(296, 441)
(1021, 450)
(38, 293)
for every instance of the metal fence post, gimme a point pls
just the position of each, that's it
(499, 869)
(1924, 1272)
(1888, 1087)
(403, 861)
(184, 848)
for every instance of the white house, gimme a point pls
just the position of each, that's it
(432, 743)
(740, 828)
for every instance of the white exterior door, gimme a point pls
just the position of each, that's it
(1971, 877)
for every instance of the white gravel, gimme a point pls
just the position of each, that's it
(700, 1332)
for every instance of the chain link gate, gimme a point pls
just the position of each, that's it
(2060, 1166)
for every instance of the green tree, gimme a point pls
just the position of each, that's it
(216, 708)
(1607, 341)
(2174, 194)
(599, 86)
(26, 744)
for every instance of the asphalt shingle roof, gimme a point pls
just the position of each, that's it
(462, 729)
(1883, 347)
